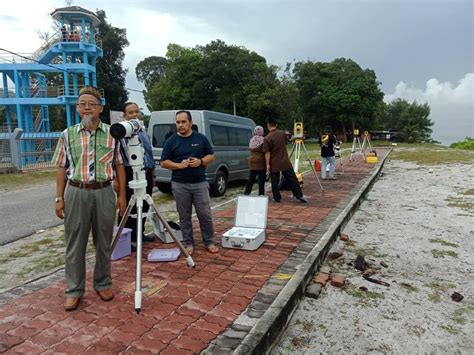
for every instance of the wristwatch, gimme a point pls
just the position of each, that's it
(202, 162)
(58, 199)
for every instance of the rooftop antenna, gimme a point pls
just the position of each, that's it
(69, 2)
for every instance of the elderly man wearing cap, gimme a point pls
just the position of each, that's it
(88, 159)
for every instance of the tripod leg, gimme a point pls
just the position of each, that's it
(124, 220)
(189, 259)
(312, 167)
(138, 276)
(292, 149)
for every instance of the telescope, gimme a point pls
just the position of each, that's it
(129, 129)
(125, 129)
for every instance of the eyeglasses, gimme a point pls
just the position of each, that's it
(88, 104)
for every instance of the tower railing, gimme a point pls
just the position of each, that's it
(66, 37)
(62, 90)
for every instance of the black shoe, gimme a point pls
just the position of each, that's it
(277, 201)
(174, 225)
(147, 238)
(301, 199)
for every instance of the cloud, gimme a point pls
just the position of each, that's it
(452, 106)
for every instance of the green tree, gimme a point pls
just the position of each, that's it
(339, 93)
(215, 77)
(110, 72)
(411, 119)
(150, 70)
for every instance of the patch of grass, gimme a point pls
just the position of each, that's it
(460, 314)
(451, 330)
(49, 262)
(159, 198)
(308, 325)
(460, 203)
(468, 192)
(27, 178)
(409, 288)
(433, 155)
(442, 253)
(417, 330)
(384, 349)
(445, 243)
(435, 297)
(439, 286)
(355, 292)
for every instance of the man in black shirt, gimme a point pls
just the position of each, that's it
(187, 154)
(327, 141)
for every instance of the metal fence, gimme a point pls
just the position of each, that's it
(26, 151)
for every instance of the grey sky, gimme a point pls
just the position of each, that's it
(407, 42)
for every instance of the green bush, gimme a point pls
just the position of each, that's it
(467, 143)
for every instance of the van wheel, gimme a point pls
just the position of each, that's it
(163, 187)
(219, 187)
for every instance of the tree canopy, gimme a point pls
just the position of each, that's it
(340, 92)
(215, 77)
(411, 119)
(110, 71)
(218, 76)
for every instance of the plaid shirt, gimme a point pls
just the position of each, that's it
(88, 156)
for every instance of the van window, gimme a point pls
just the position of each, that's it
(161, 130)
(230, 136)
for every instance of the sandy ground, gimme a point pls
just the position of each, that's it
(420, 225)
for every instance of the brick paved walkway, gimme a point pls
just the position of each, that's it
(197, 307)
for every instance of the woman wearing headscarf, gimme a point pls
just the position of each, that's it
(256, 162)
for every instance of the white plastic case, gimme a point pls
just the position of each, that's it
(250, 222)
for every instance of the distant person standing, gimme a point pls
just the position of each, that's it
(256, 162)
(327, 140)
(277, 160)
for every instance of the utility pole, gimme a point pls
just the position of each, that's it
(235, 111)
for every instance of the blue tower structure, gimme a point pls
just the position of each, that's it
(72, 52)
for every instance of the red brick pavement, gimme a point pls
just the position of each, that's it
(195, 306)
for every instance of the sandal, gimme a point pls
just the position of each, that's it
(211, 248)
(189, 249)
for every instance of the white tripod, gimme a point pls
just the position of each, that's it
(138, 184)
(366, 143)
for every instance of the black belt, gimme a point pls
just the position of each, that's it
(90, 185)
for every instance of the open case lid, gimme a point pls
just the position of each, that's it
(251, 212)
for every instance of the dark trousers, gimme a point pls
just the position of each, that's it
(132, 222)
(291, 180)
(251, 180)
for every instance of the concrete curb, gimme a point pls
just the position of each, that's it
(257, 335)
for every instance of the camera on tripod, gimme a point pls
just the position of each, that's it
(298, 130)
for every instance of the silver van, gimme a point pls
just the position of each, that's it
(229, 137)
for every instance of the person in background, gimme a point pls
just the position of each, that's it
(187, 154)
(88, 159)
(277, 160)
(327, 140)
(132, 111)
(256, 162)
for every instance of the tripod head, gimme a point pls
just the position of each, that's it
(131, 129)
